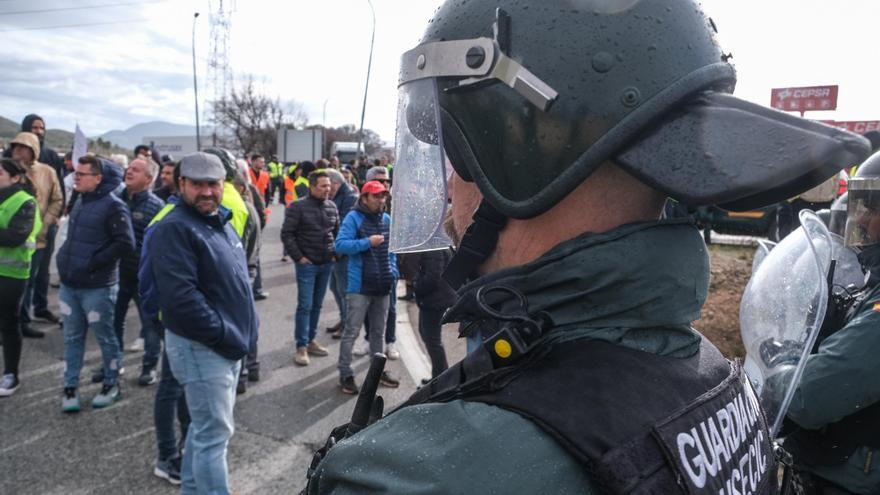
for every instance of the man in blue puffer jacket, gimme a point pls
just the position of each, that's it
(99, 235)
(204, 294)
(372, 271)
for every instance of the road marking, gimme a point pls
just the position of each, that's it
(133, 435)
(35, 438)
(59, 366)
(414, 359)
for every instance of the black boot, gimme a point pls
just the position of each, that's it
(30, 332)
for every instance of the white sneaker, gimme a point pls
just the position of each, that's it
(391, 352)
(361, 350)
(8, 385)
(137, 345)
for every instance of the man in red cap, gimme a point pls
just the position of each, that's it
(372, 270)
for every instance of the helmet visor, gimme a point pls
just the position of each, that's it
(863, 212)
(421, 199)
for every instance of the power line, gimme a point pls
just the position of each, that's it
(60, 9)
(63, 26)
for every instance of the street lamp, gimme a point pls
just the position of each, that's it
(324, 129)
(195, 84)
(367, 86)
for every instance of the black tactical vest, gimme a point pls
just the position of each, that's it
(638, 422)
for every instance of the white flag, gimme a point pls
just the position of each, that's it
(80, 145)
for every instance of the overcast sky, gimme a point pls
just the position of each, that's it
(121, 62)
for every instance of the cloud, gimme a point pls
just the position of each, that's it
(114, 76)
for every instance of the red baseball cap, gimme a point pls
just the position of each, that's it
(374, 187)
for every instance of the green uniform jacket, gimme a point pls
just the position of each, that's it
(839, 380)
(639, 286)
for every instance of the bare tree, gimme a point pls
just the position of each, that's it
(252, 119)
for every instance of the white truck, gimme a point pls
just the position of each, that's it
(346, 150)
(296, 145)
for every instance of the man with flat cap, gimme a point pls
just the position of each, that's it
(204, 294)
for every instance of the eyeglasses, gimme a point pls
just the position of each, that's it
(384, 181)
(83, 174)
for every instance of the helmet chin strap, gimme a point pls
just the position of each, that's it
(476, 246)
(869, 258)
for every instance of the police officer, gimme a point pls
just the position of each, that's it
(836, 405)
(566, 131)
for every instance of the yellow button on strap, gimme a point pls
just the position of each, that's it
(502, 348)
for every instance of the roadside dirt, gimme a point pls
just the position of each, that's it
(731, 268)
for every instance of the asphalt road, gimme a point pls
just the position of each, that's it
(279, 421)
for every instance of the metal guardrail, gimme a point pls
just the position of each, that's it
(734, 240)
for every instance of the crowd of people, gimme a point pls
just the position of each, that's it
(120, 214)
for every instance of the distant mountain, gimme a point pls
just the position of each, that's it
(122, 141)
(134, 135)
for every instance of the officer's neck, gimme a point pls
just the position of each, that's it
(608, 199)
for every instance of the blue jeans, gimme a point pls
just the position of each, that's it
(83, 310)
(339, 285)
(311, 286)
(128, 291)
(390, 321)
(170, 402)
(208, 381)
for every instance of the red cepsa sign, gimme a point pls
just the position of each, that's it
(804, 99)
(857, 126)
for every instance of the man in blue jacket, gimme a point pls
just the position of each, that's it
(99, 234)
(143, 205)
(204, 293)
(372, 270)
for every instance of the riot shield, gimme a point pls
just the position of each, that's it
(782, 311)
(761, 252)
(847, 272)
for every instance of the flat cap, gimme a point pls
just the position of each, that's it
(202, 166)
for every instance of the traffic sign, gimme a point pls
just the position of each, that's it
(804, 99)
(857, 126)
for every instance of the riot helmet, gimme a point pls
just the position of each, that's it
(863, 205)
(527, 101)
(837, 215)
(874, 138)
(227, 159)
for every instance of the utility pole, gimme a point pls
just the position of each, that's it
(196, 84)
(324, 128)
(367, 86)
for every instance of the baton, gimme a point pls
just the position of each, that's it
(360, 418)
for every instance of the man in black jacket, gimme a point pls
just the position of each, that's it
(434, 296)
(308, 234)
(143, 205)
(345, 197)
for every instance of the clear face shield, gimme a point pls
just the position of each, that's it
(421, 170)
(863, 212)
(837, 218)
